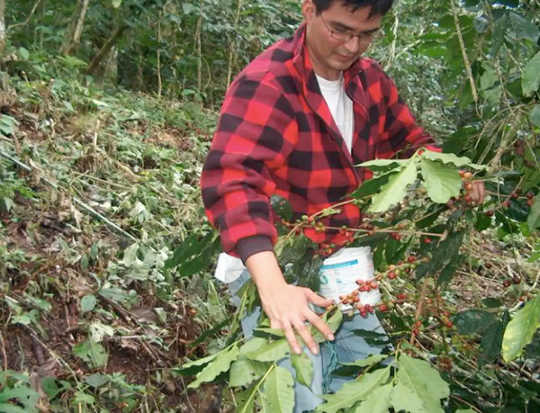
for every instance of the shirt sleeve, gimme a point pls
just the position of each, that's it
(403, 135)
(254, 135)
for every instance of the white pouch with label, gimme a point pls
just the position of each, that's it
(228, 268)
(340, 271)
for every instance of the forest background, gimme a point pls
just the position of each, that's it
(107, 110)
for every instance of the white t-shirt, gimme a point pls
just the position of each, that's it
(340, 105)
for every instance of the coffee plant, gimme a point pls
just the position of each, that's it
(418, 217)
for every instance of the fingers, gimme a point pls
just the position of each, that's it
(320, 325)
(291, 338)
(299, 327)
(304, 332)
(317, 299)
(478, 192)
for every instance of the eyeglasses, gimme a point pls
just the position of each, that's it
(344, 35)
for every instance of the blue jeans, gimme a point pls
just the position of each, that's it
(347, 347)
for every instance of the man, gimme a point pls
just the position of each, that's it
(294, 123)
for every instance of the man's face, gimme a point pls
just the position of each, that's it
(337, 37)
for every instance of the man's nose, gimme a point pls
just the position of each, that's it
(353, 45)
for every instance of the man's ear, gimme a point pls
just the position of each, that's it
(308, 10)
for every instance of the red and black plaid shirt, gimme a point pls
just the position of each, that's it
(276, 136)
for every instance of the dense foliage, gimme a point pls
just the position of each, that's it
(107, 107)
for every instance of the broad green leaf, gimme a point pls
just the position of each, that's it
(244, 371)
(368, 361)
(533, 220)
(271, 351)
(396, 188)
(491, 341)
(279, 391)
(354, 391)
(246, 400)
(11, 408)
(458, 161)
(97, 380)
(473, 321)
(523, 28)
(192, 367)
(275, 332)
(25, 396)
(534, 116)
(333, 319)
(441, 181)
(520, 330)
(419, 387)
(91, 352)
(216, 367)
(530, 79)
(88, 302)
(304, 368)
(371, 186)
(382, 163)
(252, 345)
(377, 402)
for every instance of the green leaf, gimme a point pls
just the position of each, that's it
(473, 321)
(97, 380)
(267, 331)
(216, 367)
(88, 302)
(368, 361)
(396, 188)
(246, 400)
(244, 371)
(278, 393)
(378, 164)
(193, 367)
(419, 387)
(491, 341)
(377, 402)
(23, 53)
(520, 330)
(51, 387)
(24, 395)
(534, 116)
(533, 220)
(11, 408)
(252, 345)
(333, 319)
(441, 181)
(304, 368)
(116, 3)
(458, 161)
(91, 352)
(271, 351)
(530, 79)
(354, 391)
(523, 28)
(370, 186)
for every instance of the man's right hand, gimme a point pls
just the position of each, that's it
(287, 306)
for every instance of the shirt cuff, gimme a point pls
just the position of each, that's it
(252, 245)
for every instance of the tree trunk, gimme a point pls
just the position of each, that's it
(158, 57)
(2, 26)
(73, 36)
(105, 49)
(111, 66)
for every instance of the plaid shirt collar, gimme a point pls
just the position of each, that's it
(307, 82)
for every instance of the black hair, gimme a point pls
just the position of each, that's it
(378, 7)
